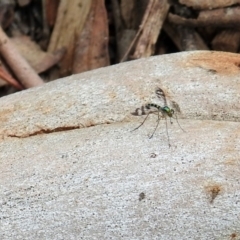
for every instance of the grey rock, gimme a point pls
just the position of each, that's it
(72, 168)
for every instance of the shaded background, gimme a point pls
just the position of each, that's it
(61, 38)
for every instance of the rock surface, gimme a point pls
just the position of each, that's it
(71, 168)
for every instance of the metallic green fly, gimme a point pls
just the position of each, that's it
(165, 112)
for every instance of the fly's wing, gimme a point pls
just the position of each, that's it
(150, 107)
(176, 106)
(162, 97)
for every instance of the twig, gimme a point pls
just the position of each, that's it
(26, 75)
(8, 78)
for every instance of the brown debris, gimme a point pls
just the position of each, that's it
(227, 41)
(70, 20)
(191, 40)
(92, 44)
(222, 18)
(26, 75)
(23, 2)
(50, 9)
(4, 75)
(171, 31)
(153, 19)
(123, 36)
(39, 60)
(59, 38)
(209, 4)
(213, 190)
(6, 14)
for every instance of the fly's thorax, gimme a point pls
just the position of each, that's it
(168, 111)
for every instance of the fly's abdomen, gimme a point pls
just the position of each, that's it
(146, 109)
(152, 105)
